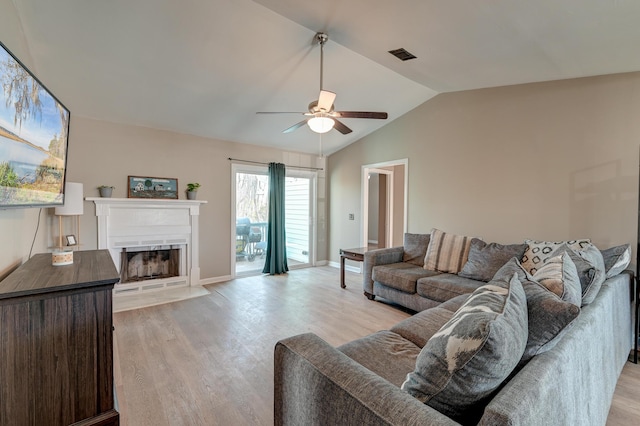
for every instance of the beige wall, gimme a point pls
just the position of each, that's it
(106, 153)
(553, 160)
(18, 226)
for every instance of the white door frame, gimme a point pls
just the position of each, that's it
(364, 207)
(235, 169)
(313, 231)
(388, 226)
(313, 218)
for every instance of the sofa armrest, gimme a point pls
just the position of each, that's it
(373, 258)
(315, 384)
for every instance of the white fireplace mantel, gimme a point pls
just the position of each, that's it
(135, 222)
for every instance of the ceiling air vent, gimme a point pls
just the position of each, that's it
(402, 54)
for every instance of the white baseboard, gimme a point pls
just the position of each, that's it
(224, 278)
(349, 268)
(215, 280)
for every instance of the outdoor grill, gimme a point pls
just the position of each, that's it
(249, 242)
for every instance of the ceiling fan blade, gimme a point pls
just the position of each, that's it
(339, 126)
(281, 112)
(361, 114)
(295, 127)
(325, 100)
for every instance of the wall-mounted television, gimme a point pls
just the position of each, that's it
(34, 134)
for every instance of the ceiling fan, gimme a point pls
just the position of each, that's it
(322, 117)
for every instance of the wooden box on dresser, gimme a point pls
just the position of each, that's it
(56, 342)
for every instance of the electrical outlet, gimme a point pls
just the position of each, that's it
(351, 216)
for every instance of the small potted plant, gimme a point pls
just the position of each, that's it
(106, 190)
(192, 190)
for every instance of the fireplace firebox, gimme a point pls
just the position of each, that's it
(156, 263)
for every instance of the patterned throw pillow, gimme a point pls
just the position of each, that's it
(550, 317)
(446, 252)
(560, 276)
(474, 352)
(616, 259)
(415, 248)
(538, 251)
(486, 259)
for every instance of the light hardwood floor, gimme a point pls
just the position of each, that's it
(209, 360)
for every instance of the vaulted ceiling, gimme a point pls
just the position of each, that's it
(206, 67)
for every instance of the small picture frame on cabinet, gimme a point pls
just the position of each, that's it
(71, 240)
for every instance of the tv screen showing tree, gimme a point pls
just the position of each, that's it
(34, 130)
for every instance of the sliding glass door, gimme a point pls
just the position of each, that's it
(250, 207)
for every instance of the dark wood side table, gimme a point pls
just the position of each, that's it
(56, 342)
(356, 254)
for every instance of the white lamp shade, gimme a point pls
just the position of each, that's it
(321, 124)
(73, 200)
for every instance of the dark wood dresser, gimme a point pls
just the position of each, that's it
(56, 342)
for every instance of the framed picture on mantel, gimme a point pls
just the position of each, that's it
(150, 187)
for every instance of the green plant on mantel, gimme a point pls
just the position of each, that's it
(106, 186)
(193, 186)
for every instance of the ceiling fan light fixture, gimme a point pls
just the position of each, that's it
(321, 124)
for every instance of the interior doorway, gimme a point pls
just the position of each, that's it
(380, 213)
(384, 203)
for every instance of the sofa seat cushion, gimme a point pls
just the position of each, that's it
(446, 286)
(387, 354)
(401, 276)
(419, 328)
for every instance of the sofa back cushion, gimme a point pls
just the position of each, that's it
(446, 252)
(474, 352)
(486, 259)
(415, 248)
(560, 276)
(616, 259)
(591, 269)
(549, 316)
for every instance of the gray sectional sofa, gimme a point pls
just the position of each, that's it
(544, 358)
(398, 275)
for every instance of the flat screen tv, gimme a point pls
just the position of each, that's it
(34, 131)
